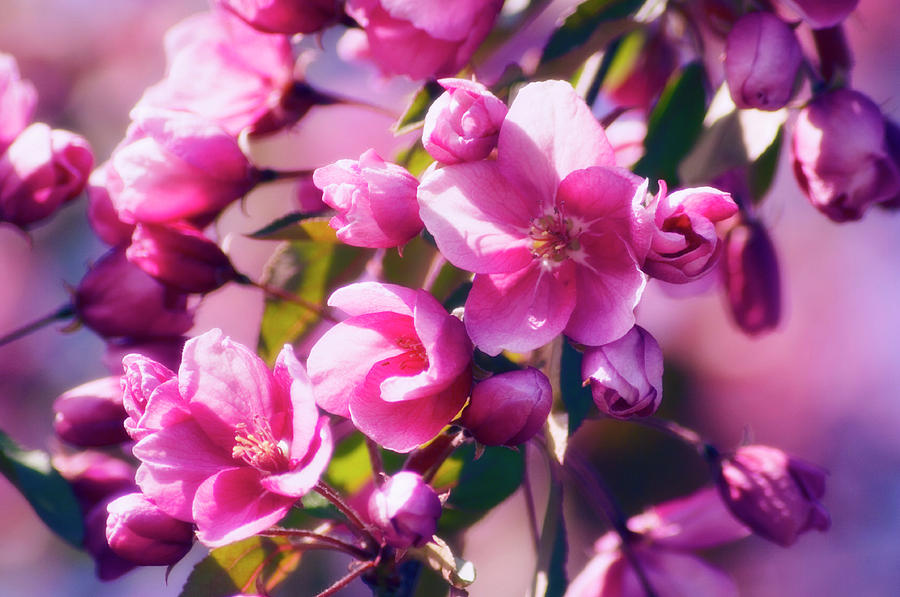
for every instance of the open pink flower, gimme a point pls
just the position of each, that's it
(554, 231)
(398, 366)
(245, 442)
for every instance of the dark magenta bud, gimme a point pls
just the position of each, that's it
(108, 565)
(406, 510)
(283, 16)
(95, 476)
(751, 277)
(141, 533)
(92, 414)
(508, 408)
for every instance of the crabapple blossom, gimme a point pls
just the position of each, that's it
(101, 213)
(405, 510)
(18, 99)
(149, 396)
(91, 414)
(685, 243)
(554, 232)
(775, 495)
(139, 532)
(422, 38)
(508, 408)
(282, 16)
(241, 446)
(375, 201)
(751, 278)
(463, 123)
(398, 366)
(625, 375)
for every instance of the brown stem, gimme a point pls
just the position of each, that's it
(317, 540)
(357, 526)
(688, 436)
(529, 505)
(290, 297)
(64, 312)
(835, 58)
(376, 461)
(347, 579)
(427, 460)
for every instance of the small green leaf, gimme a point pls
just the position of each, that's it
(550, 577)
(762, 171)
(415, 159)
(411, 269)
(254, 565)
(674, 125)
(48, 493)
(350, 468)
(581, 24)
(297, 226)
(438, 556)
(415, 113)
(575, 395)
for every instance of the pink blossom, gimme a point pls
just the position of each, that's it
(399, 366)
(463, 123)
(625, 375)
(174, 166)
(422, 38)
(101, 213)
(40, 171)
(554, 232)
(150, 396)
(91, 414)
(18, 99)
(667, 535)
(250, 445)
(405, 510)
(283, 16)
(685, 243)
(375, 201)
(508, 409)
(223, 70)
(139, 532)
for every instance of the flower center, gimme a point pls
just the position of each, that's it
(415, 358)
(259, 449)
(552, 237)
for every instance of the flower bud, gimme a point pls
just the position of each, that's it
(92, 414)
(406, 510)
(462, 125)
(102, 214)
(821, 13)
(117, 299)
(108, 564)
(142, 533)
(375, 200)
(95, 477)
(625, 375)
(773, 494)
(283, 16)
(638, 75)
(685, 244)
(180, 256)
(762, 57)
(840, 155)
(17, 101)
(752, 281)
(140, 381)
(508, 408)
(41, 170)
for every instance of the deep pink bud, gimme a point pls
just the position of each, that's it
(17, 101)
(283, 16)
(140, 381)
(423, 39)
(406, 510)
(773, 494)
(180, 256)
(375, 201)
(840, 155)
(625, 375)
(462, 125)
(40, 171)
(762, 57)
(117, 299)
(92, 414)
(95, 476)
(637, 83)
(508, 408)
(142, 533)
(108, 564)
(102, 215)
(175, 166)
(752, 281)
(685, 243)
(821, 13)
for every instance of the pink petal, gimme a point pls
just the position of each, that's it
(477, 219)
(698, 521)
(433, 17)
(677, 574)
(371, 297)
(164, 408)
(313, 462)
(520, 311)
(548, 133)
(232, 505)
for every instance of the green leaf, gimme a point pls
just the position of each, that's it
(411, 269)
(415, 113)
(438, 556)
(415, 159)
(674, 125)
(578, 28)
(575, 395)
(254, 565)
(310, 270)
(48, 493)
(762, 171)
(298, 226)
(550, 577)
(350, 468)
(477, 485)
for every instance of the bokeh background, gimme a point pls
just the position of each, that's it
(824, 386)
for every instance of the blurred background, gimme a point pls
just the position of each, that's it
(823, 387)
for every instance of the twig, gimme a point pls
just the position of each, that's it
(529, 504)
(63, 312)
(347, 579)
(326, 541)
(376, 461)
(288, 296)
(356, 523)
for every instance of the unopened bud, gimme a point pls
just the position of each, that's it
(142, 533)
(406, 510)
(92, 414)
(462, 125)
(508, 408)
(752, 281)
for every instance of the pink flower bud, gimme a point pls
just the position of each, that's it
(102, 215)
(40, 171)
(117, 299)
(423, 39)
(140, 387)
(180, 256)
(508, 408)
(108, 564)
(406, 510)
(840, 155)
(462, 125)
(175, 166)
(821, 13)
(752, 282)
(762, 57)
(375, 201)
(773, 494)
(283, 16)
(92, 414)
(685, 243)
(625, 375)
(17, 101)
(142, 533)
(95, 476)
